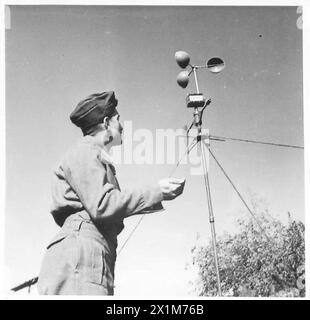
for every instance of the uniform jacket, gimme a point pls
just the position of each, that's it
(85, 181)
(90, 207)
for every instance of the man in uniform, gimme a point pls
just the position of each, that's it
(89, 206)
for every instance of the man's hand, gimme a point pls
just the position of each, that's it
(171, 187)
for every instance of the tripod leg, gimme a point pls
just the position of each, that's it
(211, 217)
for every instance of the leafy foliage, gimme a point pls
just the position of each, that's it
(252, 264)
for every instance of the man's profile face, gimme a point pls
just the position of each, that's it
(116, 129)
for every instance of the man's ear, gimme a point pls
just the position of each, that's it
(106, 122)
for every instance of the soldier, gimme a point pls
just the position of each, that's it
(89, 206)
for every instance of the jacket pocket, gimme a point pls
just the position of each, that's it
(92, 263)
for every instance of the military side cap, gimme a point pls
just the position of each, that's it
(92, 110)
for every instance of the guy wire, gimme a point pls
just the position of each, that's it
(259, 142)
(240, 196)
(131, 233)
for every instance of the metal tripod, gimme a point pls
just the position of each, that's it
(201, 145)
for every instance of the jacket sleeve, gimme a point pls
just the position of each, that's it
(102, 200)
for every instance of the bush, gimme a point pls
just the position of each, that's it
(252, 265)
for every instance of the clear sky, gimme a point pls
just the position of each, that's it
(57, 55)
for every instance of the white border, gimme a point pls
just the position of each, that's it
(306, 44)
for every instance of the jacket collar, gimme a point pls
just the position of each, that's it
(104, 156)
